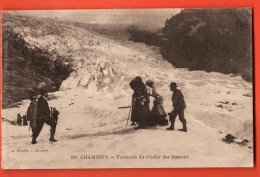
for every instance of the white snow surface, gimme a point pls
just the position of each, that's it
(90, 122)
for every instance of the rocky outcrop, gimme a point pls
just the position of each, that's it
(218, 40)
(27, 68)
(212, 40)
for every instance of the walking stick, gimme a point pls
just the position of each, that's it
(52, 125)
(128, 116)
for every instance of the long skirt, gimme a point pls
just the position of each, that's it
(143, 114)
(159, 114)
(134, 117)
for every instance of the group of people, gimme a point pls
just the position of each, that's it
(21, 120)
(39, 113)
(141, 113)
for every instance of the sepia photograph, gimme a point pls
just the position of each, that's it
(127, 88)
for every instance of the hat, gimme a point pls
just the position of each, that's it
(43, 91)
(138, 78)
(173, 84)
(149, 82)
(34, 96)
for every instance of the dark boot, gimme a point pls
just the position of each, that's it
(53, 140)
(141, 127)
(34, 141)
(184, 129)
(172, 126)
(133, 124)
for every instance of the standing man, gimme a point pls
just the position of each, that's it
(32, 112)
(43, 116)
(179, 106)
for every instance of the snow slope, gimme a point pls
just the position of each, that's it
(90, 122)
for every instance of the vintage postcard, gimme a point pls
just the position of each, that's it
(127, 88)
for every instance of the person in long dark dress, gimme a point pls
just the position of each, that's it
(141, 110)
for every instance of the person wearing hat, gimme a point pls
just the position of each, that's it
(179, 106)
(141, 111)
(43, 116)
(133, 85)
(158, 112)
(32, 112)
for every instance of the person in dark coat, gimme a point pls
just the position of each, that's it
(179, 106)
(133, 86)
(44, 116)
(25, 123)
(142, 100)
(19, 119)
(32, 112)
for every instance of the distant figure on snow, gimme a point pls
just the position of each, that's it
(158, 112)
(24, 120)
(32, 112)
(19, 119)
(179, 106)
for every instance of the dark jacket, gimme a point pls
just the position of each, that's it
(132, 84)
(178, 100)
(43, 109)
(140, 90)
